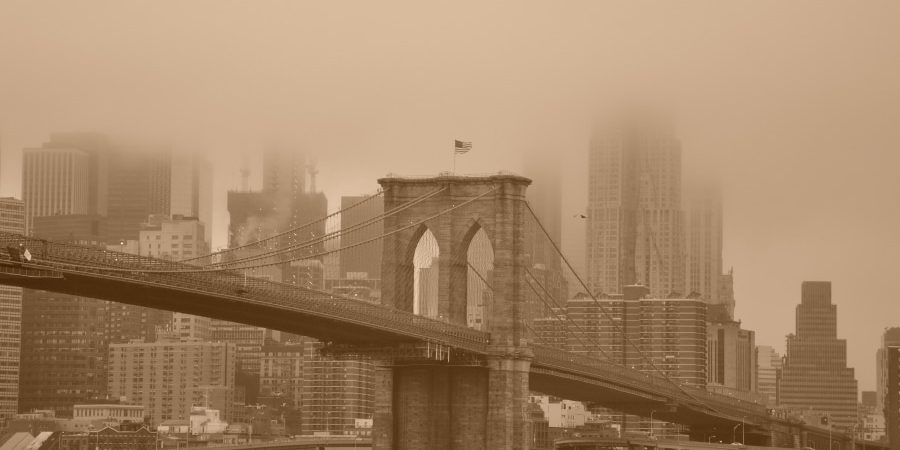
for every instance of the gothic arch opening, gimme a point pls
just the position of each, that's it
(426, 270)
(479, 280)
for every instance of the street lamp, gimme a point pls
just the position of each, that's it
(651, 422)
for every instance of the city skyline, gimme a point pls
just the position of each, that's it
(797, 121)
(672, 218)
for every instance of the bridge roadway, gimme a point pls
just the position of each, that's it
(229, 295)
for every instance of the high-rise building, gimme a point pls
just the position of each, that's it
(192, 189)
(12, 220)
(768, 366)
(174, 238)
(703, 242)
(248, 341)
(63, 357)
(335, 392)
(191, 327)
(645, 333)
(815, 374)
(65, 175)
(892, 394)
(55, 182)
(545, 199)
(731, 358)
(139, 183)
(170, 377)
(281, 371)
(365, 262)
(635, 222)
(891, 336)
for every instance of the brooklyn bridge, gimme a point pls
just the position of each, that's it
(455, 373)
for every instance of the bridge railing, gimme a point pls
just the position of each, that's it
(141, 269)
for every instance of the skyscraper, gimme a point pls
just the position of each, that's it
(730, 359)
(815, 373)
(892, 394)
(55, 182)
(891, 336)
(12, 220)
(365, 262)
(63, 352)
(768, 366)
(634, 225)
(703, 241)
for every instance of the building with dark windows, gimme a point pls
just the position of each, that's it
(365, 262)
(892, 394)
(12, 220)
(815, 374)
(645, 333)
(730, 359)
(63, 358)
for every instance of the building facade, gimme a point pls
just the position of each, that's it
(364, 262)
(768, 372)
(703, 242)
(63, 357)
(634, 217)
(12, 220)
(730, 358)
(169, 377)
(892, 394)
(645, 333)
(335, 392)
(815, 374)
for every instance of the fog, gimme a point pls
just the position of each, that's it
(794, 106)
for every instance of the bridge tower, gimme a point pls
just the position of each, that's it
(459, 402)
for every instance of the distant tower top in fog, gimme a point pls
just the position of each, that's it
(284, 170)
(634, 229)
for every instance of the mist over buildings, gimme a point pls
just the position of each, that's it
(792, 108)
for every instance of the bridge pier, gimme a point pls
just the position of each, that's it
(437, 406)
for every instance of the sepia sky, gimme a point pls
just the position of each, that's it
(793, 106)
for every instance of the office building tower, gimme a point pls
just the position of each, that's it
(335, 392)
(703, 242)
(248, 341)
(545, 199)
(634, 218)
(891, 336)
(139, 185)
(65, 175)
(730, 359)
(174, 238)
(281, 371)
(364, 262)
(191, 189)
(892, 394)
(768, 368)
(648, 334)
(169, 377)
(191, 327)
(426, 280)
(12, 220)
(815, 374)
(55, 182)
(63, 357)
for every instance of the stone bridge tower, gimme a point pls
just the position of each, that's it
(475, 402)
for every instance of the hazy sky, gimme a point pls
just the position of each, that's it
(795, 106)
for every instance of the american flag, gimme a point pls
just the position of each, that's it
(462, 147)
